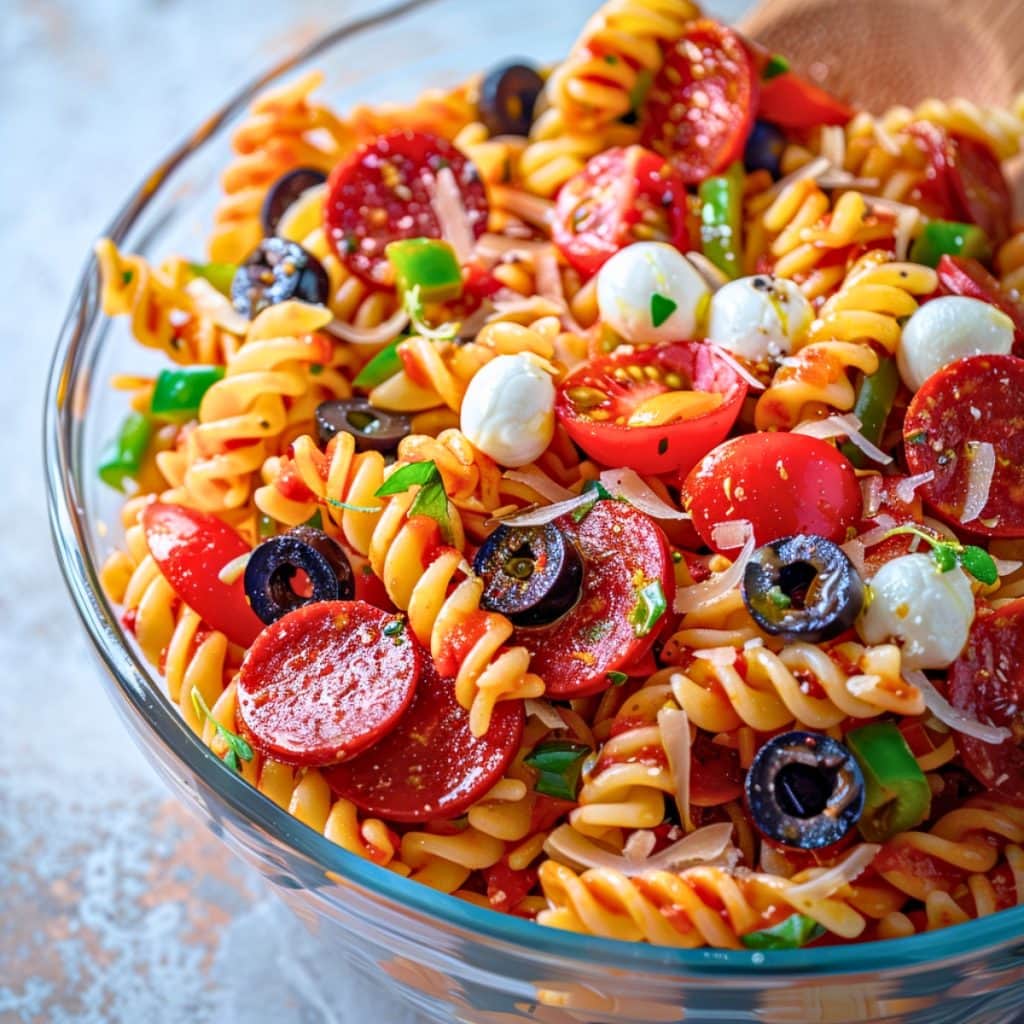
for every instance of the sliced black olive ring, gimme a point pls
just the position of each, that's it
(278, 270)
(373, 428)
(805, 790)
(285, 191)
(274, 569)
(531, 574)
(508, 96)
(802, 588)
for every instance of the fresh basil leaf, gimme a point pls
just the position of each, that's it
(777, 65)
(796, 931)
(944, 557)
(980, 564)
(558, 764)
(649, 608)
(617, 678)
(414, 474)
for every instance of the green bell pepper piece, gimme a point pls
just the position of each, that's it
(177, 393)
(796, 931)
(950, 238)
(721, 216)
(220, 275)
(429, 264)
(558, 764)
(384, 365)
(897, 795)
(122, 456)
(874, 401)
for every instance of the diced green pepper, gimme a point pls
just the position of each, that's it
(897, 795)
(949, 238)
(796, 931)
(122, 457)
(429, 264)
(220, 275)
(777, 65)
(177, 393)
(649, 608)
(384, 365)
(721, 215)
(558, 764)
(874, 401)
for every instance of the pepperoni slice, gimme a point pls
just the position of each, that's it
(431, 765)
(326, 681)
(623, 551)
(701, 105)
(383, 192)
(961, 275)
(977, 399)
(987, 681)
(191, 547)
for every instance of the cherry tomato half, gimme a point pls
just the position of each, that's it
(599, 211)
(624, 551)
(987, 681)
(384, 192)
(960, 275)
(431, 765)
(700, 108)
(657, 410)
(792, 102)
(190, 548)
(326, 681)
(971, 401)
(781, 483)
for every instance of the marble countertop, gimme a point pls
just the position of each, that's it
(115, 905)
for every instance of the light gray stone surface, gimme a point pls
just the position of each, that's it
(115, 906)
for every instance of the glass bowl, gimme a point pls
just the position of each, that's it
(452, 960)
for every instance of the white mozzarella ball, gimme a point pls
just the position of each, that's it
(651, 294)
(509, 409)
(950, 328)
(759, 317)
(928, 611)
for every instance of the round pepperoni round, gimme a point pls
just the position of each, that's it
(987, 682)
(385, 191)
(326, 681)
(431, 765)
(191, 548)
(700, 108)
(628, 586)
(966, 426)
(981, 188)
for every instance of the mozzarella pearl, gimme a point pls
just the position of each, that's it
(508, 412)
(929, 611)
(950, 328)
(759, 317)
(627, 286)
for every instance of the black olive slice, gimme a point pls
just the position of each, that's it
(507, 98)
(374, 429)
(278, 270)
(273, 571)
(531, 574)
(805, 790)
(284, 192)
(802, 588)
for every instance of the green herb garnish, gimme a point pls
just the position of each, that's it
(796, 931)
(558, 764)
(662, 307)
(431, 498)
(649, 608)
(617, 678)
(238, 748)
(600, 493)
(947, 554)
(777, 65)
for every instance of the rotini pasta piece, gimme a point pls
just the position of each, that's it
(802, 683)
(164, 315)
(876, 294)
(812, 382)
(621, 46)
(244, 417)
(305, 794)
(285, 129)
(445, 862)
(701, 906)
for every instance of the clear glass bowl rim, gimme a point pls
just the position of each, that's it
(68, 522)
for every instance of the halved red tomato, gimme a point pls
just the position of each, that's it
(701, 105)
(598, 211)
(792, 102)
(657, 410)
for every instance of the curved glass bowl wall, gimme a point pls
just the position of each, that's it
(452, 960)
